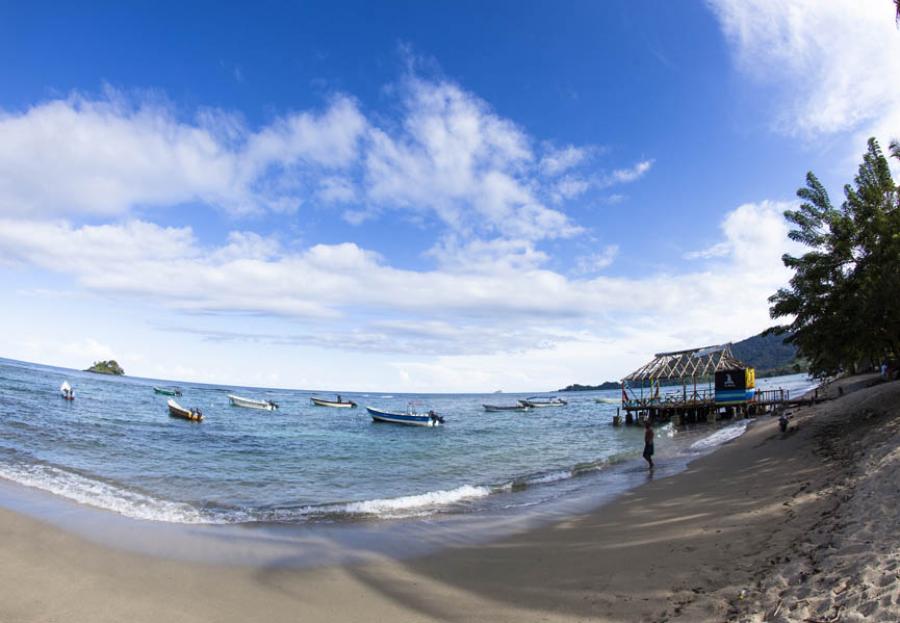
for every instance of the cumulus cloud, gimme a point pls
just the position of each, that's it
(108, 156)
(476, 282)
(444, 156)
(454, 157)
(835, 62)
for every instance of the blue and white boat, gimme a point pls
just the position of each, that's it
(410, 418)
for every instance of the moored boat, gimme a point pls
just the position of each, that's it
(536, 402)
(516, 407)
(337, 404)
(251, 403)
(167, 391)
(66, 391)
(608, 401)
(176, 410)
(410, 418)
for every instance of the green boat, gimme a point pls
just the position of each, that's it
(167, 391)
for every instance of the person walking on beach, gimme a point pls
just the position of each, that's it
(648, 443)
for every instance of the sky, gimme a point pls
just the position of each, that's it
(411, 196)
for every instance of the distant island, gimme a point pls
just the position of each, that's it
(575, 387)
(106, 367)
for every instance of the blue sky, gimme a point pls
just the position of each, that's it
(416, 196)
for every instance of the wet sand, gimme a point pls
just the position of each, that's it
(775, 527)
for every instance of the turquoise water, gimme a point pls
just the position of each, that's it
(116, 448)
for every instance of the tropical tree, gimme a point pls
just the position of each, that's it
(844, 296)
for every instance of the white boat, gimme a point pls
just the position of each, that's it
(516, 407)
(251, 403)
(66, 391)
(607, 401)
(337, 404)
(410, 418)
(536, 402)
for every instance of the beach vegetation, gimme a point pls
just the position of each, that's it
(844, 297)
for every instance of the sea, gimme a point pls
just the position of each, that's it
(115, 449)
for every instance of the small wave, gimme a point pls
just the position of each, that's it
(413, 504)
(101, 495)
(721, 436)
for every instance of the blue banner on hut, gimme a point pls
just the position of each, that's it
(735, 386)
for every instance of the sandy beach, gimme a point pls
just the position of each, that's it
(772, 527)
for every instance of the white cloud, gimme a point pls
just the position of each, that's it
(486, 283)
(108, 156)
(457, 159)
(595, 262)
(445, 156)
(835, 62)
(557, 161)
(719, 249)
(626, 176)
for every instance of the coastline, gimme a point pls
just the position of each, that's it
(768, 514)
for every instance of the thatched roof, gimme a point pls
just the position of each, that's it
(686, 364)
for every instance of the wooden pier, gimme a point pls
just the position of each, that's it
(702, 407)
(734, 396)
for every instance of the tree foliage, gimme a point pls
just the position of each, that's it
(844, 297)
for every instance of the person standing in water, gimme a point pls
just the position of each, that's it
(648, 443)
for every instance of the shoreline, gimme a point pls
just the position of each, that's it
(740, 533)
(355, 538)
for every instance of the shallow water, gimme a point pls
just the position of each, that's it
(116, 448)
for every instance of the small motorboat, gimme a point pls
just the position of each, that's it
(167, 391)
(516, 407)
(251, 403)
(536, 402)
(608, 401)
(66, 391)
(410, 418)
(337, 404)
(176, 410)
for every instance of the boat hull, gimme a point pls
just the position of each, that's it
(408, 419)
(166, 392)
(543, 404)
(176, 410)
(249, 403)
(65, 391)
(349, 404)
(493, 408)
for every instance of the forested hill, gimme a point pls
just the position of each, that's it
(767, 353)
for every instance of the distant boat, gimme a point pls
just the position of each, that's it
(410, 418)
(250, 403)
(536, 402)
(337, 404)
(518, 407)
(167, 391)
(176, 410)
(608, 401)
(66, 391)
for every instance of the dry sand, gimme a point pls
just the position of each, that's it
(800, 526)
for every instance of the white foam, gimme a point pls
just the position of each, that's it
(410, 504)
(550, 477)
(723, 435)
(101, 495)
